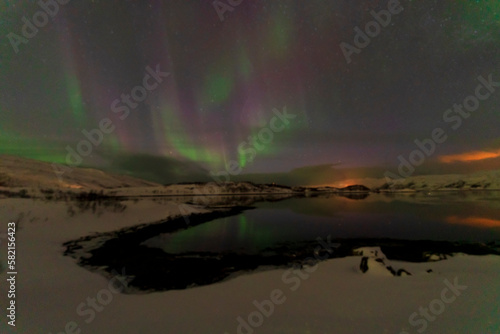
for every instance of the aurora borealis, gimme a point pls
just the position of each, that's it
(227, 76)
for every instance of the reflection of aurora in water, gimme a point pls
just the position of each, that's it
(225, 233)
(447, 216)
(218, 246)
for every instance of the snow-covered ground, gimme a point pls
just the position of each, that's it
(54, 295)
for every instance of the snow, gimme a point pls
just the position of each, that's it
(334, 297)
(489, 180)
(16, 172)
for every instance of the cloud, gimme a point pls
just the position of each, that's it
(158, 169)
(470, 156)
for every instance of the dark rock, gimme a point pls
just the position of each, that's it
(403, 271)
(391, 269)
(357, 187)
(364, 264)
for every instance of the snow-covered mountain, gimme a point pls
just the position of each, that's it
(17, 172)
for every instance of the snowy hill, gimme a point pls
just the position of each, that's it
(20, 177)
(481, 180)
(16, 172)
(484, 180)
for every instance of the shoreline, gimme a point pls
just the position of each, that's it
(155, 270)
(337, 289)
(111, 194)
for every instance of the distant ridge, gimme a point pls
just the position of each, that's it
(22, 172)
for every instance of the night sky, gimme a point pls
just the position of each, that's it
(229, 78)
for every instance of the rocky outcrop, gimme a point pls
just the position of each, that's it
(355, 188)
(373, 261)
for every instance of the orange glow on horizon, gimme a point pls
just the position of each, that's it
(470, 156)
(344, 183)
(473, 221)
(72, 186)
